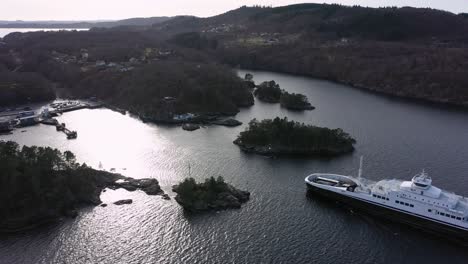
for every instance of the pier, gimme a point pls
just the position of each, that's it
(70, 134)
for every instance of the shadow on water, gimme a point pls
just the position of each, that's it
(382, 225)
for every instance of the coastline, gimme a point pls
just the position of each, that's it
(286, 151)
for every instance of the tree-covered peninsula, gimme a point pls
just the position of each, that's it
(213, 194)
(147, 75)
(284, 137)
(39, 185)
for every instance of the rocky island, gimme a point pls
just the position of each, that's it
(40, 185)
(213, 194)
(283, 137)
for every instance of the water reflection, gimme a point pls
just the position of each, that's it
(280, 224)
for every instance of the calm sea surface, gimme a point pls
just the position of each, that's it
(280, 224)
(6, 31)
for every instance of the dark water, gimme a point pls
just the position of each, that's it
(280, 224)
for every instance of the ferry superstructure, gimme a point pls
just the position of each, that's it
(416, 202)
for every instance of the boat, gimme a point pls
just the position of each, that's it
(417, 202)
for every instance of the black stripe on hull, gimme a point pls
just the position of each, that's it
(383, 212)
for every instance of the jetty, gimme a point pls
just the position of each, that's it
(70, 134)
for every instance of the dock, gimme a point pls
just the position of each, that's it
(26, 116)
(68, 106)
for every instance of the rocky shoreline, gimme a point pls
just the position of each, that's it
(200, 119)
(98, 181)
(290, 151)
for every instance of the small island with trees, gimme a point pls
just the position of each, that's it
(294, 101)
(284, 137)
(40, 185)
(271, 92)
(213, 194)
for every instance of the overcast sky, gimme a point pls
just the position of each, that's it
(118, 9)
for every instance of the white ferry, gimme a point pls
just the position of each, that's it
(416, 202)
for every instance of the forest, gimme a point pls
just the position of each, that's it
(39, 184)
(128, 69)
(408, 52)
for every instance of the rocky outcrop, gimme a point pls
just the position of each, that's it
(213, 194)
(190, 127)
(148, 185)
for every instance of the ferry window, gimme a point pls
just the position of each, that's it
(442, 214)
(397, 201)
(388, 199)
(407, 204)
(374, 195)
(458, 218)
(411, 205)
(429, 210)
(447, 215)
(452, 216)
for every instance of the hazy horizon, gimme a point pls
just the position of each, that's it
(88, 10)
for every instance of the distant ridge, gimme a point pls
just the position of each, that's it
(143, 21)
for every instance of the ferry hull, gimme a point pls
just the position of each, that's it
(426, 225)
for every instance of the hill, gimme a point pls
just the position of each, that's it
(409, 52)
